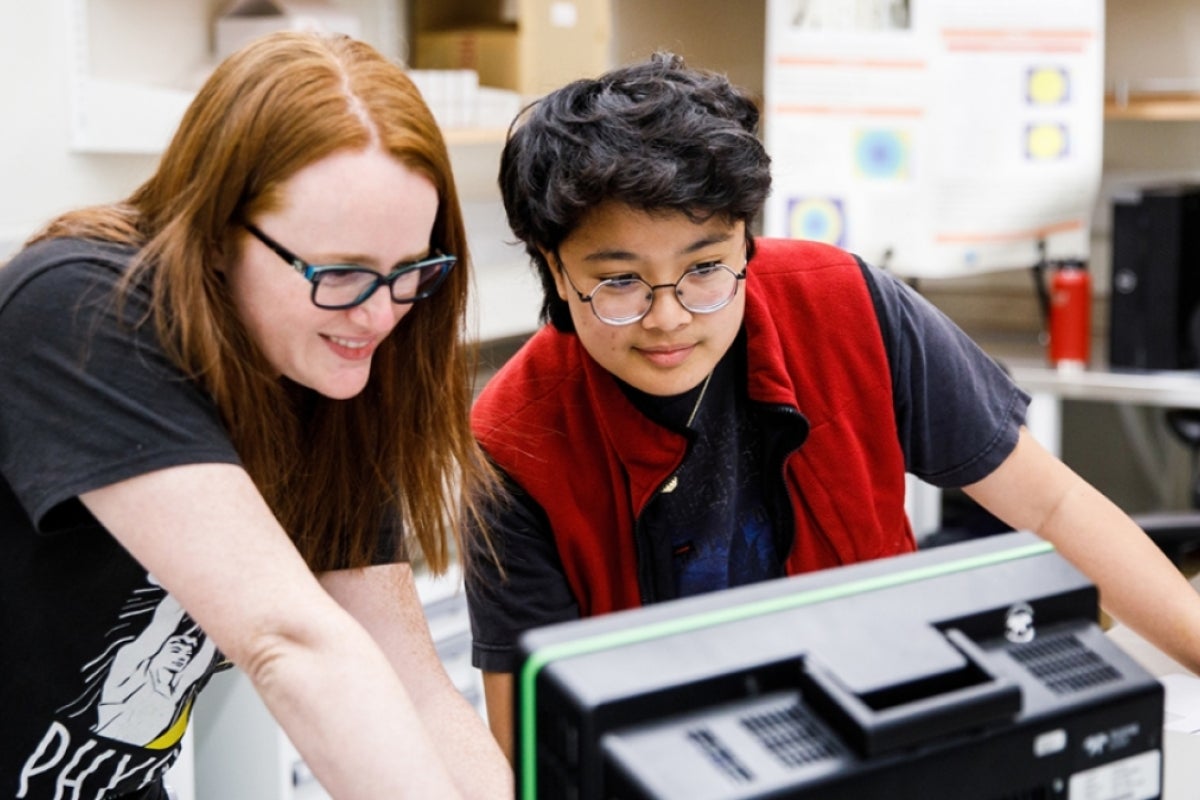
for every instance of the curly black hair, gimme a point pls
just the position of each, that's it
(656, 136)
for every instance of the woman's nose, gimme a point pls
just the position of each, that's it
(378, 312)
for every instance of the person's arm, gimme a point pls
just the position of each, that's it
(513, 585)
(1033, 490)
(206, 534)
(497, 694)
(384, 600)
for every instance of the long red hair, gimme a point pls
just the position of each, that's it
(335, 472)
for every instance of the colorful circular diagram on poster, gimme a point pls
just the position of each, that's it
(1045, 141)
(1047, 86)
(881, 153)
(818, 219)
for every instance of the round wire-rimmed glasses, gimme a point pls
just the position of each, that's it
(339, 286)
(625, 300)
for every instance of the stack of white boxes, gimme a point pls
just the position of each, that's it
(459, 102)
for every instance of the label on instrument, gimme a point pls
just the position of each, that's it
(1135, 778)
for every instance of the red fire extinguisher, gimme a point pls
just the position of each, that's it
(1070, 313)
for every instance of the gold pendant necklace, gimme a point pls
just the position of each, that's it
(673, 483)
(699, 400)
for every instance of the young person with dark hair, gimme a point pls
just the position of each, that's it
(706, 409)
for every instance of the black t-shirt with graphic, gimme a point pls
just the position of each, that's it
(98, 665)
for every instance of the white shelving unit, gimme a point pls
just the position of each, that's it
(115, 117)
(129, 100)
(1152, 72)
(112, 109)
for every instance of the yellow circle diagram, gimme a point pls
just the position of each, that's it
(1047, 86)
(1046, 141)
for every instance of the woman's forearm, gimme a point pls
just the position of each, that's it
(476, 763)
(385, 602)
(344, 708)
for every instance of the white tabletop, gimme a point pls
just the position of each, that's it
(1181, 751)
(1026, 361)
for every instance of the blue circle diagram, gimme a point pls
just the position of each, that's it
(881, 154)
(818, 219)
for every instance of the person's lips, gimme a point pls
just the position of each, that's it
(667, 355)
(352, 349)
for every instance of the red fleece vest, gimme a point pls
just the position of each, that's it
(560, 426)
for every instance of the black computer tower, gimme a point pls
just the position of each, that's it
(1154, 320)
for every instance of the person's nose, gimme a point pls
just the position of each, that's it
(666, 312)
(378, 312)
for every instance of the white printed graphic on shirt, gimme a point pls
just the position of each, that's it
(139, 692)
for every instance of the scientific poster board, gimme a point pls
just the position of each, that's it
(935, 137)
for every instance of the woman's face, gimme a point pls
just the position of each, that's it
(358, 207)
(671, 349)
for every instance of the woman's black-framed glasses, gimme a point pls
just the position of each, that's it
(703, 289)
(339, 286)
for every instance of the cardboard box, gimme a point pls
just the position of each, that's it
(246, 20)
(491, 52)
(550, 42)
(564, 40)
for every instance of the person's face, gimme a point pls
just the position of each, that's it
(176, 653)
(671, 349)
(353, 207)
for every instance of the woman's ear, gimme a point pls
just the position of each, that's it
(233, 246)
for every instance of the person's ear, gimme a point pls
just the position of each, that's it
(555, 266)
(233, 247)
